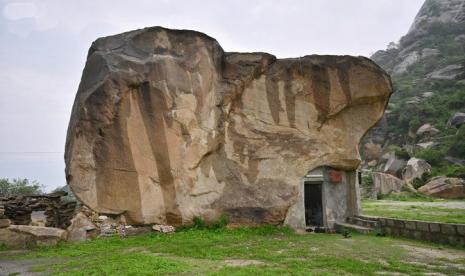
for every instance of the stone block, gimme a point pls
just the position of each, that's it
(390, 222)
(399, 223)
(418, 235)
(454, 240)
(461, 229)
(16, 240)
(388, 230)
(448, 229)
(422, 226)
(406, 233)
(411, 225)
(434, 227)
(4, 223)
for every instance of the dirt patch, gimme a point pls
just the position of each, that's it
(22, 267)
(243, 262)
(432, 253)
(446, 204)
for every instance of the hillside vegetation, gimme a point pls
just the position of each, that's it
(427, 67)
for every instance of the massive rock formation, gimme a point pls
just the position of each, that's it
(167, 126)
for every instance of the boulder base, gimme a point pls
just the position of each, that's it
(24, 236)
(167, 126)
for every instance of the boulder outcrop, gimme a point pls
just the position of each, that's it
(444, 187)
(167, 126)
(385, 184)
(415, 169)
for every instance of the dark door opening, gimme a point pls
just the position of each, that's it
(313, 204)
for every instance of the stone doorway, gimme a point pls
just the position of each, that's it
(313, 203)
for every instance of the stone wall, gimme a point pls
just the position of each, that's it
(446, 233)
(58, 213)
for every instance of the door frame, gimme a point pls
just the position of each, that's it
(309, 181)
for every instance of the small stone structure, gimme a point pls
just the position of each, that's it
(57, 212)
(328, 195)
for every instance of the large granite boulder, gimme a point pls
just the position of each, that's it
(415, 169)
(167, 126)
(394, 165)
(385, 184)
(444, 187)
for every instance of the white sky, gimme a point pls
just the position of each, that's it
(44, 43)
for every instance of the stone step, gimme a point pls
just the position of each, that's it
(368, 217)
(363, 222)
(352, 227)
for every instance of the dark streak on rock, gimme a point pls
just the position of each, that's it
(321, 91)
(154, 104)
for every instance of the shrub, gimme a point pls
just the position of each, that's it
(417, 183)
(431, 155)
(399, 152)
(199, 223)
(367, 180)
(19, 187)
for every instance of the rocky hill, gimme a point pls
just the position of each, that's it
(426, 114)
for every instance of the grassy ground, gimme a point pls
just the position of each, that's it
(246, 251)
(417, 208)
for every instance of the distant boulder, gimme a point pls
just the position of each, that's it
(427, 129)
(444, 187)
(415, 169)
(385, 184)
(457, 120)
(394, 165)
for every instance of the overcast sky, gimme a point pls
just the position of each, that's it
(44, 43)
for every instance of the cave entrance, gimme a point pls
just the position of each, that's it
(313, 203)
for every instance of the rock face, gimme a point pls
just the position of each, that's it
(415, 169)
(167, 126)
(394, 165)
(24, 236)
(385, 183)
(444, 187)
(81, 228)
(457, 120)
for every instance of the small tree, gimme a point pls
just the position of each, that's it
(19, 187)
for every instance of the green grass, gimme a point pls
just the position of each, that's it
(278, 251)
(411, 197)
(413, 211)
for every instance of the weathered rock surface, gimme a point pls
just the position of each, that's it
(457, 120)
(415, 169)
(4, 222)
(167, 126)
(81, 228)
(24, 236)
(385, 183)
(444, 187)
(427, 129)
(394, 165)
